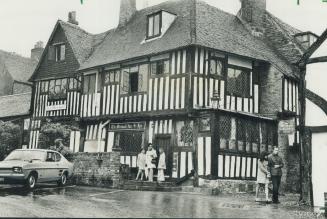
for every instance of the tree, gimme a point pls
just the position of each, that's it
(10, 135)
(56, 136)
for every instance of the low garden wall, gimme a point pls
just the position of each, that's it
(97, 169)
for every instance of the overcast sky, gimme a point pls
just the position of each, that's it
(24, 22)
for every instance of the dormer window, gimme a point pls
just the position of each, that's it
(60, 51)
(154, 25)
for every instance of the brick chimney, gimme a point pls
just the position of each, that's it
(72, 18)
(127, 10)
(253, 12)
(37, 51)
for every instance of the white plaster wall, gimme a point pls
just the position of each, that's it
(321, 51)
(319, 164)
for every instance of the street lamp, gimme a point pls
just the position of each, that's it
(215, 100)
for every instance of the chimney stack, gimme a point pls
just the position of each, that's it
(37, 51)
(253, 12)
(127, 10)
(72, 18)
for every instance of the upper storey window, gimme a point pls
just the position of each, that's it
(154, 25)
(157, 24)
(238, 82)
(57, 52)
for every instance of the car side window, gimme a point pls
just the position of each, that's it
(50, 157)
(58, 157)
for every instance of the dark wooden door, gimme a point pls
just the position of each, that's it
(164, 141)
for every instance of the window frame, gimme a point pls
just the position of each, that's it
(235, 67)
(153, 25)
(60, 53)
(116, 73)
(89, 83)
(224, 67)
(164, 73)
(62, 95)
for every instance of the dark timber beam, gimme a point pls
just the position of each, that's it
(317, 60)
(316, 99)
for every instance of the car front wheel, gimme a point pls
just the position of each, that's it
(63, 180)
(31, 181)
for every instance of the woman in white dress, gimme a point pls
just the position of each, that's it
(161, 165)
(151, 155)
(263, 176)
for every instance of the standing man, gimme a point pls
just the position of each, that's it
(150, 157)
(275, 165)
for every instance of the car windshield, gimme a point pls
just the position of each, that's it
(26, 155)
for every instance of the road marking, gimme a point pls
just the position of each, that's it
(107, 193)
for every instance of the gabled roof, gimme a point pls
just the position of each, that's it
(81, 42)
(19, 67)
(15, 105)
(197, 23)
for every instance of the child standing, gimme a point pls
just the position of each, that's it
(141, 164)
(263, 176)
(161, 166)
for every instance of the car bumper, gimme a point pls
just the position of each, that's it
(12, 178)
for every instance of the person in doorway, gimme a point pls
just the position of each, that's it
(141, 164)
(263, 176)
(151, 156)
(275, 165)
(161, 165)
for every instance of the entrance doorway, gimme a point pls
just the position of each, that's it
(164, 141)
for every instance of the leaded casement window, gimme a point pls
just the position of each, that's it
(154, 25)
(44, 87)
(290, 95)
(216, 66)
(160, 67)
(74, 84)
(111, 77)
(238, 82)
(57, 52)
(89, 84)
(58, 89)
(184, 133)
(134, 79)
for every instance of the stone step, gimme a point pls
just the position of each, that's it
(152, 188)
(198, 190)
(147, 183)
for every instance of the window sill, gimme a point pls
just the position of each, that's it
(133, 94)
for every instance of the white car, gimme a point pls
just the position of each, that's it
(35, 165)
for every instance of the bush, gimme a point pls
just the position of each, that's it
(10, 135)
(56, 136)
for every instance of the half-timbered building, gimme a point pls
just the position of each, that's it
(213, 89)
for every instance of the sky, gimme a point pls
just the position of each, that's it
(24, 22)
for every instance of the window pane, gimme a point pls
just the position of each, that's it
(112, 77)
(160, 67)
(62, 52)
(143, 78)
(117, 73)
(166, 66)
(238, 82)
(156, 25)
(64, 84)
(92, 84)
(107, 78)
(150, 28)
(51, 87)
(154, 68)
(86, 84)
(125, 82)
(212, 66)
(133, 81)
(219, 67)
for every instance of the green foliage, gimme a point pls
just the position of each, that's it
(10, 135)
(56, 136)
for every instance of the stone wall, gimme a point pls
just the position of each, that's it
(92, 171)
(290, 155)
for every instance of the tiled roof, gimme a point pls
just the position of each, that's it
(197, 23)
(82, 42)
(19, 67)
(15, 105)
(125, 42)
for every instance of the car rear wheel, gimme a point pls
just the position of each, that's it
(63, 180)
(31, 181)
